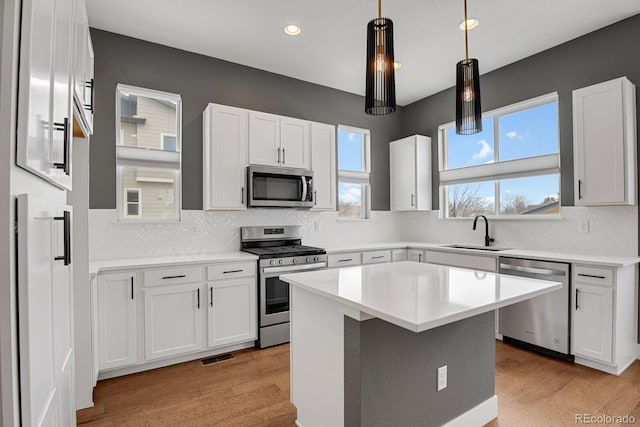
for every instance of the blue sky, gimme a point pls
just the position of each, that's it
(349, 158)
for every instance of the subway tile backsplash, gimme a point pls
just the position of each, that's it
(612, 231)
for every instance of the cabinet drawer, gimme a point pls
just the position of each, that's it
(172, 276)
(595, 275)
(415, 255)
(374, 257)
(231, 270)
(344, 259)
(399, 255)
(476, 262)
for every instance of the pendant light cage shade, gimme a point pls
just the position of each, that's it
(468, 109)
(380, 92)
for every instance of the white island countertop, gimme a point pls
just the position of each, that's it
(418, 296)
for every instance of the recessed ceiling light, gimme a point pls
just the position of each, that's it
(397, 65)
(292, 30)
(471, 24)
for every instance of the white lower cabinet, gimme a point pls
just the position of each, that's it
(593, 322)
(603, 317)
(173, 320)
(232, 311)
(117, 321)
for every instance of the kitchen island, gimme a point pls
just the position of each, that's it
(367, 343)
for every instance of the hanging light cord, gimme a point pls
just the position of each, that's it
(466, 36)
(380, 8)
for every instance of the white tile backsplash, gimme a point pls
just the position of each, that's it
(612, 231)
(217, 231)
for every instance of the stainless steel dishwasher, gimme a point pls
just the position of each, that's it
(541, 323)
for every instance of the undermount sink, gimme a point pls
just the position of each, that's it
(476, 247)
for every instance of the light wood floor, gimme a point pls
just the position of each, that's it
(253, 390)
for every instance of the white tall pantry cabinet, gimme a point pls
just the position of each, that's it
(410, 173)
(604, 143)
(323, 164)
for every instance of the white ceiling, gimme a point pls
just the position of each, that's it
(331, 49)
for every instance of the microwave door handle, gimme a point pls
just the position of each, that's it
(304, 188)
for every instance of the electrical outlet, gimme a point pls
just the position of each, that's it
(442, 377)
(583, 226)
(316, 226)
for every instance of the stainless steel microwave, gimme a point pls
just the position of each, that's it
(278, 187)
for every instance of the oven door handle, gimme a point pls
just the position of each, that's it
(304, 188)
(294, 268)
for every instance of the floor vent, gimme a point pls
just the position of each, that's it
(216, 359)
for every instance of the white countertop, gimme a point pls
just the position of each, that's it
(601, 260)
(167, 261)
(419, 296)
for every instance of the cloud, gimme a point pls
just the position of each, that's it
(350, 193)
(514, 135)
(485, 150)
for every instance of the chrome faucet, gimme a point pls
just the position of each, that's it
(487, 239)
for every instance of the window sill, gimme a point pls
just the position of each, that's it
(353, 219)
(510, 218)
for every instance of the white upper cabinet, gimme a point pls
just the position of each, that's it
(50, 75)
(83, 90)
(264, 139)
(410, 173)
(225, 157)
(604, 140)
(279, 141)
(323, 164)
(295, 143)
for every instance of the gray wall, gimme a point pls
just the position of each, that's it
(602, 55)
(390, 373)
(200, 80)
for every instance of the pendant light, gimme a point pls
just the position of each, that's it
(468, 110)
(380, 92)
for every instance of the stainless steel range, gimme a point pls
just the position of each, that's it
(280, 251)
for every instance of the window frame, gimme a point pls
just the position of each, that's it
(138, 157)
(126, 202)
(162, 142)
(497, 171)
(356, 177)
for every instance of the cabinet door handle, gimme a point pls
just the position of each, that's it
(345, 260)
(579, 189)
(242, 195)
(198, 298)
(419, 257)
(131, 287)
(284, 158)
(63, 127)
(377, 257)
(66, 220)
(315, 197)
(412, 200)
(89, 85)
(232, 271)
(211, 296)
(278, 154)
(595, 276)
(577, 296)
(180, 276)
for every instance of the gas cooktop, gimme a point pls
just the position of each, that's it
(284, 251)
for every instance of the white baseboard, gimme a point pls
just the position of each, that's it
(477, 416)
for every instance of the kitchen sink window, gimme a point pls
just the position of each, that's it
(511, 168)
(148, 154)
(354, 167)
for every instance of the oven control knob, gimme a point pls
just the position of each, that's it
(308, 259)
(315, 258)
(271, 262)
(280, 261)
(293, 261)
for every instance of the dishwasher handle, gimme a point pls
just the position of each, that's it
(532, 270)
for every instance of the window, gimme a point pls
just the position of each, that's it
(353, 172)
(132, 203)
(148, 154)
(512, 167)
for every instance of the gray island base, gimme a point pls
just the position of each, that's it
(367, 343)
